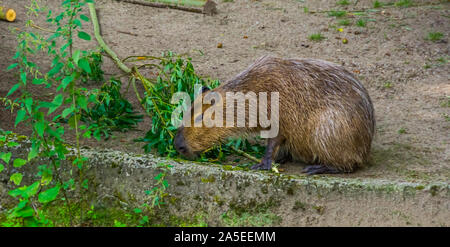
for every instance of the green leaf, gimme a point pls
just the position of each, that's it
(12, 66)
(38, 81)
(19, 162)
(23, 77)
(20, 116)
(13, 89)
(84, 35)
(12, 144)
(73, 119)
(66, 112)
(1, 167)
(77, 23)
(66, 81)
(76, 56)
(57, 102)
(49, 195)
(28, 103)
(84, 64)
(40, 127)
(82, 102)
(24, 212)
(31, 190)
(33, 153)
(84, 18)
(6, 157)
(55, 69)
(16, 178)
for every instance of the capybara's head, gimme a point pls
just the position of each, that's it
(191, 141)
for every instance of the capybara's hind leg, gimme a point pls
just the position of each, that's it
(320, 169)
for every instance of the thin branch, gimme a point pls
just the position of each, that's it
(253, 158)
(102, 43)
(165, 6)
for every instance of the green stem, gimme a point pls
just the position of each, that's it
(102, 43)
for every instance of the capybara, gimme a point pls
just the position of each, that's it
(326, 117)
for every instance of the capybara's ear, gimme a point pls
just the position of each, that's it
(205, 89)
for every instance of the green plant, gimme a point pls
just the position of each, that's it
(94, 71)
(175, 75)
(441, 60)
(111, 112)
(404, 3)
(344, 22)
(218, 153)
(47, 144)
(387, 84)
(316, 37)
(402, 131)
(361, 22)
(446, 102)
(46, 140)
(434, 36)
(158, 192)
(446, 117)
(377, 4)
(337, 13)
(343, 2)
(9, 104)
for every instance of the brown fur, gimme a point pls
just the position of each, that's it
(326, 115)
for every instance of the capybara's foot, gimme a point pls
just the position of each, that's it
(320, 169)
(266, 164)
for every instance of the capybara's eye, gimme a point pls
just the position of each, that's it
(205, 89)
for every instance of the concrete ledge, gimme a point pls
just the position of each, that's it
(218, 192)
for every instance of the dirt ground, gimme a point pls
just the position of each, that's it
(407, 76)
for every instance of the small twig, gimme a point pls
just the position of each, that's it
(253, 158)
(125, 32)
(41, 28)
(246, 155)
(164, 6)
(140, 58)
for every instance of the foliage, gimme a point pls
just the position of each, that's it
(95, 60)
(344, 22)
(434, 36)
(47, 146)
(361, 22)
(343, 2)
(218, 153)
(337, 13)
(111, 112)
(158, 192)
(377, 4)
(316, 37)
(175, 75)
(404, 3)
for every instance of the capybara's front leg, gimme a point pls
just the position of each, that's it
(271, 149)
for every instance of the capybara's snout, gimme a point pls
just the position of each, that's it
(181, 146)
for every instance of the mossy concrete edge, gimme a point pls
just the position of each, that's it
(216, 190)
